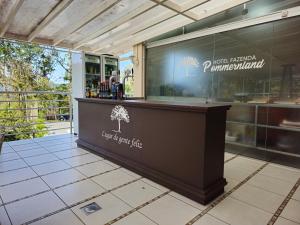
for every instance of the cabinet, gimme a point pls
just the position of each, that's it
(269, 127)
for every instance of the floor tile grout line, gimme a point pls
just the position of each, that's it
(49, 188)
(80, 202)
(137, 208)
(63, 159)
(282, 206)
(55, 188)
(232, 158)
(71, 167)
(5, 211)
(13, 170)
(152, 200)
(74, 167)
(225, 195)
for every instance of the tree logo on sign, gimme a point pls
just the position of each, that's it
(119, 113)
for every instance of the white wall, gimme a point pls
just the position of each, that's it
(139, 70)
(78, 80)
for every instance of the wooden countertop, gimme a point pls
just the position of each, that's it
(167, 105)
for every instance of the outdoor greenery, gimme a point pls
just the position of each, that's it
(24, 70)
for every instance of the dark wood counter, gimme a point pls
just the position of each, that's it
(177, 145)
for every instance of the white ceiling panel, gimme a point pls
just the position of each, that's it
(210, 5)
(30, 14)
(150, 18)
(68, 17)
(5, 7)
(119, 10)
(165, 26)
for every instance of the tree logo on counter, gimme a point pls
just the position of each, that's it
(119, 113)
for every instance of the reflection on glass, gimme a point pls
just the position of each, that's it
(256, 69)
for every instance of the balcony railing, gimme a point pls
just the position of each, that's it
(34, 113)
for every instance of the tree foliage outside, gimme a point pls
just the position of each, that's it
(27, 68)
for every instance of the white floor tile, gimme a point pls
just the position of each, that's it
(65, 217)
(113, 179)
(282, 221)
(135, 218)
(60, 147)
(26, 147)
(40, 159)
(12, 165)
(137, 193)
(292, 211)
(111, 208)
(187, 200)
(235, 172)
(22, 189)
(7, 149)
(110, 163)
(62, 177)
(81, 159)
(156, 185)
(135, 175)
(79, 191)
(236, 212)
(280, 172)
(4, 220)
(21, 142)
(231, 183)
(16, 175)
(94, 168)
(33, 152)
(296, 195)
(246, 163)
(70, 153)
(209, 220)
(8, 156)
(50, 167)
(271, 184)
(228, 156)
(258, 198)
(169, 211)
(34, 207)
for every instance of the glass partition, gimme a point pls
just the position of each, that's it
(255, 69)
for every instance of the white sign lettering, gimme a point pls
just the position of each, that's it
(119, 113)
(235, 63)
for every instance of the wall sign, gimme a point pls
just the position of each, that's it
(119, 114)
(249, 62)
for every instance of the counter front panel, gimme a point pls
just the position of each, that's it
(179, 146)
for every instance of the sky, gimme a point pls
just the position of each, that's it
(57, 76)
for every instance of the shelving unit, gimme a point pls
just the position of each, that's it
(259, 126)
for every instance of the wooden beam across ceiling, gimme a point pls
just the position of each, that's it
(100, 9)
(179, 10)
(50, 17)
(135, 36)
(11, 15)
(184, 9)
(134, 13)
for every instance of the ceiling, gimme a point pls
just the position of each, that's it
(101, 26)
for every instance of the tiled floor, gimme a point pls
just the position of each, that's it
(49, 181)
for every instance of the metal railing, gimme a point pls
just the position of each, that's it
(32, 114)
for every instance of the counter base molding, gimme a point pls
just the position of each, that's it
(176, 145)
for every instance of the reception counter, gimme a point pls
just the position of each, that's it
(177, 145)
